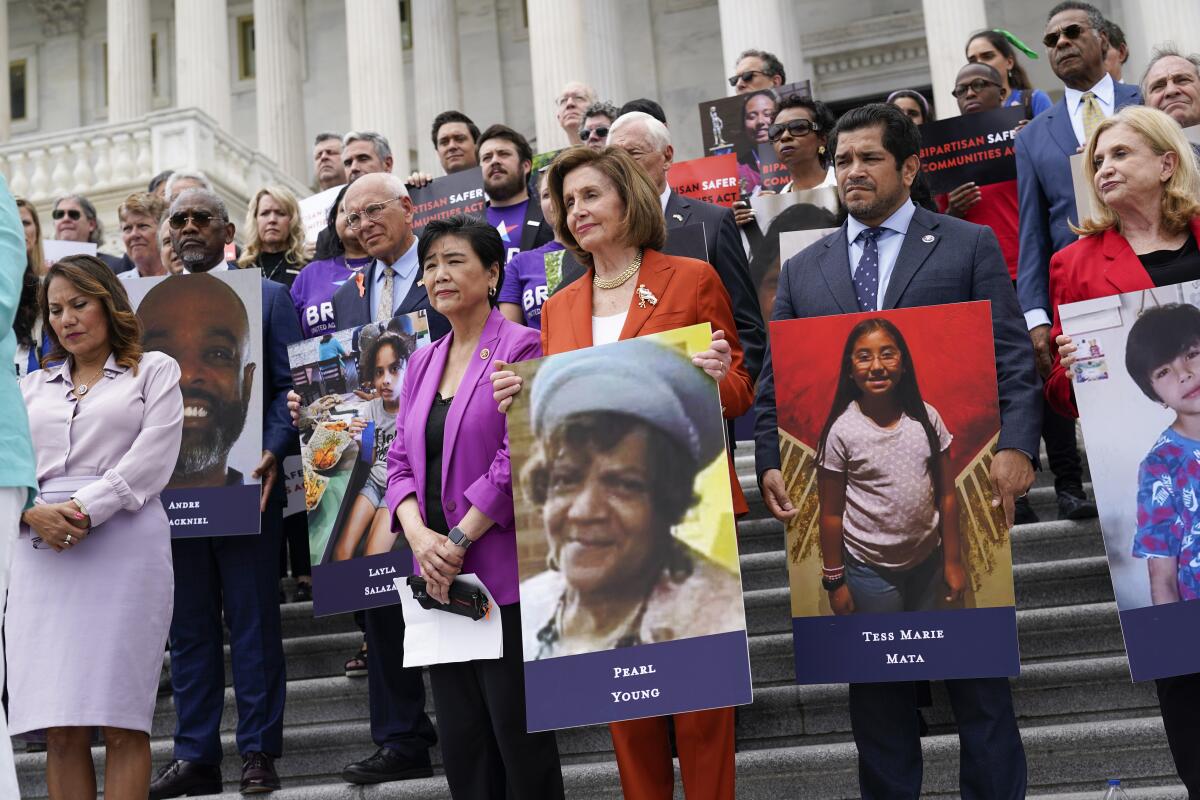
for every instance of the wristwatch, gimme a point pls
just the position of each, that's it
(833, 584)
(459, 538)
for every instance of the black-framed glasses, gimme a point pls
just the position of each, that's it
(796, 127)
(976, 86)
(202, 219)
(601, 132)
(1072, 31)
(73, 213)
(745, 77)
(371, 212)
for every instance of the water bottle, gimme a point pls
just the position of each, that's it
(1115, 792)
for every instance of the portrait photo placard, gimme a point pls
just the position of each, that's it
(886, 438)
(631, 593)
(970, 148)
(738, 125)
(211, 323)
(457, 193)
(349, 385)
(1136, 379)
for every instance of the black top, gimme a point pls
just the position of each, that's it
(435, 434)
(275, 268)
(1169, 267)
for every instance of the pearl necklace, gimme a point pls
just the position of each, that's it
(612, 283)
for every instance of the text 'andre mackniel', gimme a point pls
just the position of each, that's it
(179, 505)
(905, 634)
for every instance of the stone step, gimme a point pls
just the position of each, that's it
(1071, 757)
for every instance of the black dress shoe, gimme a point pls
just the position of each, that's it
(1023, 513)
(387, 765)
(185, 778)
(258, 773)
(303, 593)
(1075, 506)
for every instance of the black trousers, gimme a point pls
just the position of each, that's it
(293, 546)
(1178, 699)
(886, 730)
(1062, 451)
(397, 695)
(481, 718)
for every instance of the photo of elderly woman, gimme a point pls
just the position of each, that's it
(621, 437)
(888, 508)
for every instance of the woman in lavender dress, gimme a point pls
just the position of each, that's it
(92, 584)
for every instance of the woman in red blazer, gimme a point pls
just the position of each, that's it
(611, 218)
(1146, 185)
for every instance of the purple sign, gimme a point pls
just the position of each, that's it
(359, 583)
(213, 510)
(649, 680)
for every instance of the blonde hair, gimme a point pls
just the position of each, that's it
(33, 254)
(1181, 192)
(643, 221)
(294, 251)
(144, 203)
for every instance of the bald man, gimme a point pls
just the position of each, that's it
(223, 580)
(192, 321)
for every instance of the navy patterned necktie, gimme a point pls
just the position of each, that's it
(866, 277)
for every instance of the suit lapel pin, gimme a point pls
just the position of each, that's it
(645, 296)
(484, 353)
(927, 238)
(677, 217)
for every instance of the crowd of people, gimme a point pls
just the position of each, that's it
(562, 257)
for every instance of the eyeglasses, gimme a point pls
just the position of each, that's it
(1072, 31)
(371, 212)
(201, 218)
(745, 77)
(601, 132)
(73, 213)
(796, 127)
(976, 86)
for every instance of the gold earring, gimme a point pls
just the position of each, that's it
(821, 150)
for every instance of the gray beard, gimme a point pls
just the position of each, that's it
(199, 456)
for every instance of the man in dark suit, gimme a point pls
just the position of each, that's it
(231, 576)
(1076, 43)
(920, 259)
(649, 142)
(379, 210)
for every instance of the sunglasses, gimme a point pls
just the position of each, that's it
(745, 77)
(1072, 31)
(976, 86)
(601, 132)
(201, 218)
(796, 127)
(73, 213)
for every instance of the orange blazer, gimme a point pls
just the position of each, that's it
(1095, 266)
(689, 292)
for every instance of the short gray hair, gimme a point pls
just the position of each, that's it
(382, 148)
(184, 175)
(325, 136)
(204, 194)
(659, 135)
(89, 211)
(1168, 50)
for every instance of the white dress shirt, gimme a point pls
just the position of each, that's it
(1105, 98)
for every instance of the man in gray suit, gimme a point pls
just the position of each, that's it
(917, 258)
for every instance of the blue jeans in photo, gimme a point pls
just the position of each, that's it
(878, 590)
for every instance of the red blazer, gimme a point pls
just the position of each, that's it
(1095, 266)
(689, 292)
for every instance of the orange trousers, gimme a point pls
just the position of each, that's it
(705, 742)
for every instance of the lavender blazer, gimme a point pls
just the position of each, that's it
(475, 465)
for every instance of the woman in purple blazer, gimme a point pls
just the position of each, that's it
(450, 494)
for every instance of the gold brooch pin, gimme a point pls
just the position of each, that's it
(484, 353)
(645, 296)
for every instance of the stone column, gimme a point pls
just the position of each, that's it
(5, 99)
(606, 62)
(557, 54)
(130, 89)
(202, 59)
(1149, 25)
(948, 23)
(769, 25)
(375, 55)
(436, 74)
(278, 89)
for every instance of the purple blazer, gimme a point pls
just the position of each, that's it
(475, 465)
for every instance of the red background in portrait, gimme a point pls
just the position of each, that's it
(954, 356)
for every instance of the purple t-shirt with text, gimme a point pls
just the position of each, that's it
(312, 292)
(525, 282)
(508, 220)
